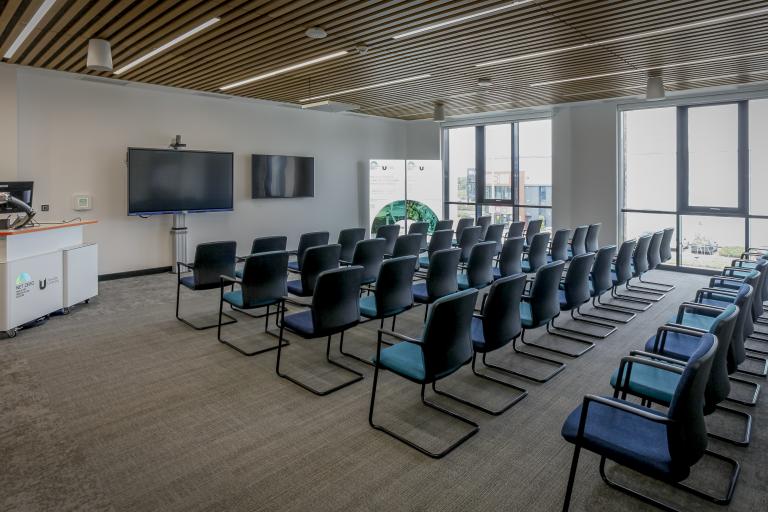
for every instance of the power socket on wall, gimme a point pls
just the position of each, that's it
(45, 207)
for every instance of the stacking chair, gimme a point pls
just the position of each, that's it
(592, 240)
(601, 282)
(578, 242)
(479, 271)
(467, 240)
(532, 229)
(640, 266)
(408, 245)
(369, 254)
(536, 257)
(661, 445)
(516, 229)
(574, 293)
(393, 295)
(265, 244)
(441, 278)
(263, 285)
(389, 232)
(212, 260)
(537, 309)
(558, 249)
(464, 223)
(621, 275)
(442, 225)
(510, 260)
(334, 310)
(439, 241)
(306, 241)
(444, 347)
(495, 233)
(348, 238)
(316, 260)
(657, 386)
(483, 221)
(494, 328)
(655, 257)
(420, 228)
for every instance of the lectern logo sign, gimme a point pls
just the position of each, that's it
(43, 284)
(24, 284)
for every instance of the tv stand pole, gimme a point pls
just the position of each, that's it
(179, 239)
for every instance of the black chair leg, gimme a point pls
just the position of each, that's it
(434, 455)
(733, 479)
(560, 365)
(319, 392)
(755, 393)
(632, 492)
(266, 326)
(596, 304)
(571, 478)
(353, 356)
(494, 412)
(744, 441)
(628, 298)
(655, 295)
(762, 373)
(200, 327)
(589, 344)
(667, 287)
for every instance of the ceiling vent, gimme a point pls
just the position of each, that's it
(330, 106)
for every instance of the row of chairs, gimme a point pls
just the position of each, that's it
(687, 367)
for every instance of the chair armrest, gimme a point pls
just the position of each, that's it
(722, 292)
(399, 336)
(180, 264)
(240, 259)
(650, 362)
(230, 279)
(345, 262)
(695, 307)
(670, 360)
(682, 329)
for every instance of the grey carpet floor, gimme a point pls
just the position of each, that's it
(118, 406)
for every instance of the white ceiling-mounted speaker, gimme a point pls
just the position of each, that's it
(654, 88)
(99, 55)
(484, 82)
(316, 33)
(438, 114)
(330, 106)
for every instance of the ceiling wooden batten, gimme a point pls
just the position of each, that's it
(257, 36)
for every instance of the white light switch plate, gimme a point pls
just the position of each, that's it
(82, 202)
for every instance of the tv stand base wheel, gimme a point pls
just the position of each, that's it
(11, 333)
(65, 311)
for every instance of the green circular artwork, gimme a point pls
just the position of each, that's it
(397, 211)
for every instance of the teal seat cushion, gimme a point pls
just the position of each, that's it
(239, 273)
(424, 261)
(718, 303)
(526, 315)
(463, 281)
(368, 306)
(649, 382)
(236, 299)
(404, 359)
(698, 321)
(525, 265)
(420, 293)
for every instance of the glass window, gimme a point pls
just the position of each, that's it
(650, 159)
(458, 211)
(758, 157)
(498, 162)
(711, 242)
(528, 213)
(713, 157)
(461, 164)
(500, 214)
(637, 224)
(758, 233)
(535, 150)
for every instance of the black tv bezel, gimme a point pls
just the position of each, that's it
(173, 212)
(254, 155)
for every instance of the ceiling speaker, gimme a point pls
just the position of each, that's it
(99, 55)
(439, 112)
(654, 89)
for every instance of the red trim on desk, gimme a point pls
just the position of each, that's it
(46, 228)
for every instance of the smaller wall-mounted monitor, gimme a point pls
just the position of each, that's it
(282, 176)
(21, 190)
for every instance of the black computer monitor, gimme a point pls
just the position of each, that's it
(21, 190)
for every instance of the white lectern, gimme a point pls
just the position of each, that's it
(43, 270)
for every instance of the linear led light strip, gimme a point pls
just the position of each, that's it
(41, 11)
(629, 37)
(460, 19)
(366, 87)
(167, 45)
(284, 70)
(642, 70)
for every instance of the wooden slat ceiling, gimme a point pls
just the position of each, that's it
(258, 36)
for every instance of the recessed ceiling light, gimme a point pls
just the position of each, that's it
(650, 68)
(484, 82)
(167, 45)
(639, 35)
(460, 19)
(286, 69)
(366, 87)
(316, 32)
(41, 11)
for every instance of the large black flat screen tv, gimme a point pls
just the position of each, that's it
(167, 181)
(282, 176)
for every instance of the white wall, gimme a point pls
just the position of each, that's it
(8, 129)
(73, 135)
(422, 140)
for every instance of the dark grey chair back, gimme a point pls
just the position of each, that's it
(420, 228)
(369, 254)
(308, 240)
(516, 229)
(623, 264)
(483, 221)
(440, 240)
(579, 240)
(464, 223)
(394, 291)
(469, 237)
(480, 265)
(264, 278)
(441, 275)
(269, 244)
(446, 343)
(213, 260)
(511, 256)
(576, 285)
(442, 225)
(408, 245)
(335, 305)
(654, 250)
(737, 352)
(601, 270)
(640, 256)
(318, 259)
(719, 385)
(501, 313)
(534, 227)
(666, 244)
(537, 252)
(495, 233)
(348, 238)
(559, 248)
(592, 239)
(389, 232)
(544, 299)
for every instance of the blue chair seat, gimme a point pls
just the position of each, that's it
(525, 265)
(625, 438)
(239, 273)
(293, 265)
(649, 382)
(462, 280)
(526, 315)
(236, 299)
(563, 303)
(614, 278)
(496, 273)
(424, 261)
(301, 323)
(678, 346)
(368, 306)
(189, 282)
(368, 280)
(295, 288)
(404, 359)
(698, 321)
(420, 293)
